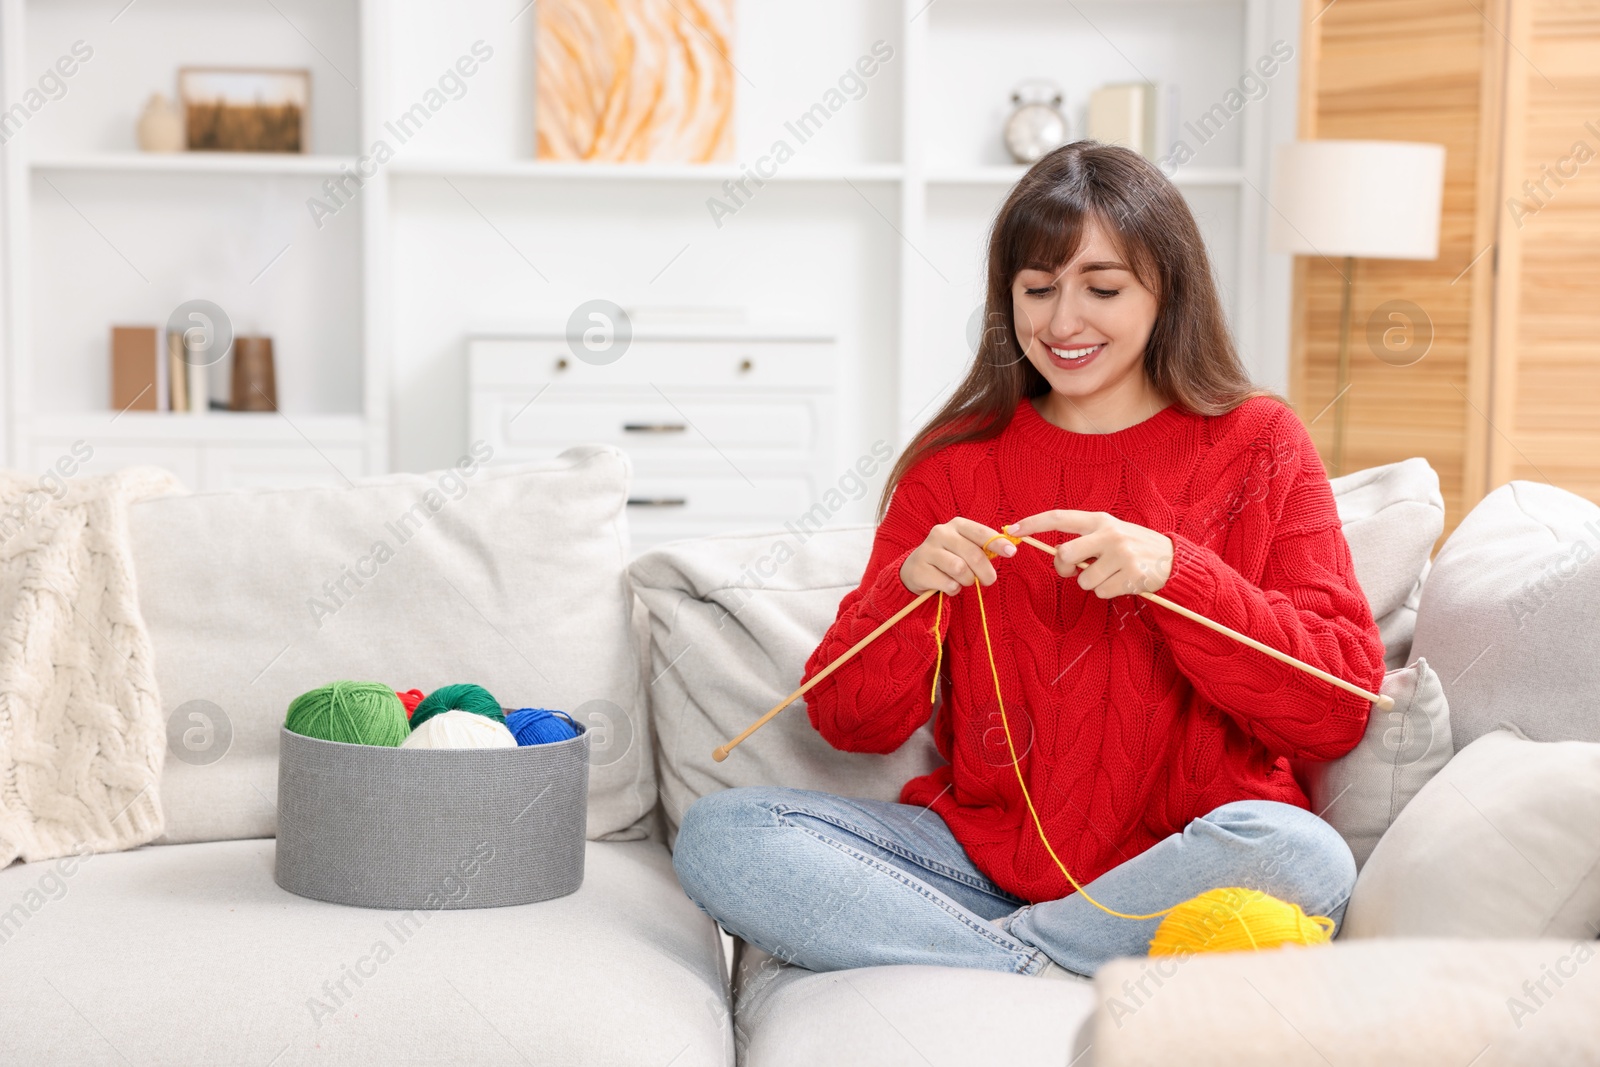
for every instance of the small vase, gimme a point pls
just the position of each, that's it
(161, 126)
(254, 385)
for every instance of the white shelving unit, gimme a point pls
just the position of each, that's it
(99, 234)
(874, 230)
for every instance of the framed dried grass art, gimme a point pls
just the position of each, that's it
(634, 80)
(241, 109)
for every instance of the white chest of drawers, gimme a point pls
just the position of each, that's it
(727, 430)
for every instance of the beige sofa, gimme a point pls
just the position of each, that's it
(185, 951)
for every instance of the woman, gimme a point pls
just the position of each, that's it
(1106, 412)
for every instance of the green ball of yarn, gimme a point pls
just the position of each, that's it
(462, 697)
(357, 713)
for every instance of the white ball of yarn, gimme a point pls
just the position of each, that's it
(460, 729)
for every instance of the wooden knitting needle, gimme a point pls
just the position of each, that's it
(1383, 702)
(721, 754)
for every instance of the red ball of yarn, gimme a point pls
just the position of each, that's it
(411, 698)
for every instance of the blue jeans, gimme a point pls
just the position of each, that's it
(829, 882)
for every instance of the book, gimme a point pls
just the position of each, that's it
(177, 373)
(1125, 114)
(199, 390)
(135, 366)
(164, 377)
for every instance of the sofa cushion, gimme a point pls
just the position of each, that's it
(1391, 516)
(1399, 1003)
(1510, 616)
(1361, 793)
(733, 618)
(913, 1015)
(190, 954)
(1503, 842)
(508, 576)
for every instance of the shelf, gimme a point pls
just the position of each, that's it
(527, 168)
(235, 426)
(864, 172)
(264, 163)
(198, 163)
(1004, 175)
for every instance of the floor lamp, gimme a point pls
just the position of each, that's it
(1355, 199)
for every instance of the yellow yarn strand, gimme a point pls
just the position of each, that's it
(1249, 918)
(938, 645)
(1016, 764)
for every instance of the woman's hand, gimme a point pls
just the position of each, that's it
(952, 556)
(1128, 558)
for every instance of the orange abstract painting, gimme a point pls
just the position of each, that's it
(635, 80)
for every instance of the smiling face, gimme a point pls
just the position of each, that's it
(1084, 326)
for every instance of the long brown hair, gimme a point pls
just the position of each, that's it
(1190, 358)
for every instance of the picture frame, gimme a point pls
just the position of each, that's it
(245, 109)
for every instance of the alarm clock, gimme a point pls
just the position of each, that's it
(1036, 124)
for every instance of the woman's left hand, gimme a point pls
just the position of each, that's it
(1128, 558)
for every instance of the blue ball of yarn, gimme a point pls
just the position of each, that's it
(540, 726)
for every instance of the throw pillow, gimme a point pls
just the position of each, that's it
(1391, 516)
(510, 576)
(1510, 613)
(1503, 842)
(1363, 792)
(733, 618)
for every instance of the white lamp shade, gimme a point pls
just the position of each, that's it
(1371, 199)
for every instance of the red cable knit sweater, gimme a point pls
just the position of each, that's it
(1130, 720)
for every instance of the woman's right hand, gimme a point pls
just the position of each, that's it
(952, 556)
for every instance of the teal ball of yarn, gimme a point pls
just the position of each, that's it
(462, 697)
(356, 713)
(538, 726)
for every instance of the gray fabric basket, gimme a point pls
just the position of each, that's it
(406, 828)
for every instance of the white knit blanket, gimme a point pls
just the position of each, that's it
(82, 735)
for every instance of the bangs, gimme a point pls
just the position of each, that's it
(1046, 233)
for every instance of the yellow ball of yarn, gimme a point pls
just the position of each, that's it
(1230, 920)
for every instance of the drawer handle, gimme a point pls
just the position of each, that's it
(657, 501)
(653, 427)
(561, 364)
